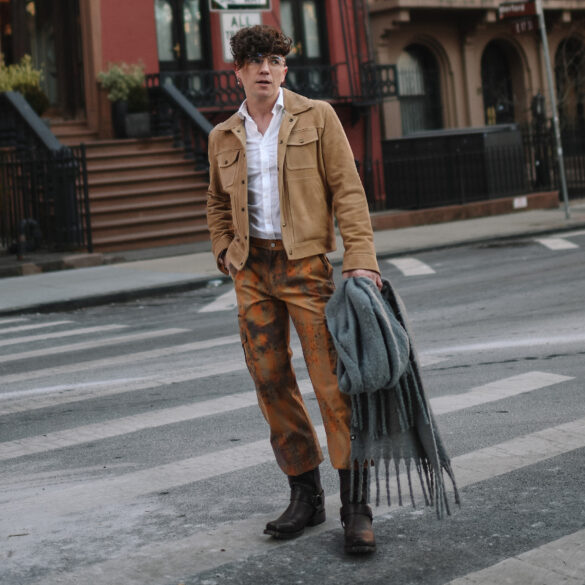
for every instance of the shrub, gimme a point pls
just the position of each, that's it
(122, 79)
(24, 78)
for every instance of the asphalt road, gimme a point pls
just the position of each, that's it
(132, 449)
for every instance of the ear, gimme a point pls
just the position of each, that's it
(284, 74)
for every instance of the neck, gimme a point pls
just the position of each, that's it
(260, 108)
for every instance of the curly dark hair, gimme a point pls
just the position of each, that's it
(258, 40)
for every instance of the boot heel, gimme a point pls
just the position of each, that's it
(317, 518)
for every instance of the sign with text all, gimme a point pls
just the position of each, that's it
(231, 23)
(222, 5)
(517, 9)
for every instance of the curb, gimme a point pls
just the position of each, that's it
(201, 282)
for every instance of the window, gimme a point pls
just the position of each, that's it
(419, 90)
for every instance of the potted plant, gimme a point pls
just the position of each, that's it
(24, 78)
(125, 84)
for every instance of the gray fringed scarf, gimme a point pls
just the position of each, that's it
(378, 368)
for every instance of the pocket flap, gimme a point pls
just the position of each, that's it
(303, 136)
(227, 158)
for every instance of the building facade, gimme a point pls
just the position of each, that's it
(459, 65)
(188, 40)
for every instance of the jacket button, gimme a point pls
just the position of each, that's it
(243, 209)
(281, 141)
(284, 225)
(243, 181)
(291, 120)
(301, 141)
(225, 162)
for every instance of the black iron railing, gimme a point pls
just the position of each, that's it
(422, 171)
(378, 82)
(217, 90)
(44, 199)
(173, 114)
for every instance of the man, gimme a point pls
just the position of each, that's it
(279, 169)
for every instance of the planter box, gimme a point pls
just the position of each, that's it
(137, 125)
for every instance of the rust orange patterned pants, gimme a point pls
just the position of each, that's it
(270, 289)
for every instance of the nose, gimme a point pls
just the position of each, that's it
(264, 68)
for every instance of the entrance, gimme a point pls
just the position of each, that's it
(182, 34)
(303, 21)
(50, 32)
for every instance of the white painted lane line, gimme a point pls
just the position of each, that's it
(60, 334)
(107, 341)
(498, 390)
(122, 359)
(49, 396)
(238, 540)
(508, 343)
(130, 424)
(559, 562)
(494, 391)
(9, 320)
(411, 266)
(225, 302)
(557, 243)
(33, 326)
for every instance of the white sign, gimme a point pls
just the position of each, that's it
(221, 5)
(231, 23)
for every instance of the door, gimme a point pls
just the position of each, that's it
(303, 21)
(181, 32)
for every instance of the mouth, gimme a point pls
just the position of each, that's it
(263, 82)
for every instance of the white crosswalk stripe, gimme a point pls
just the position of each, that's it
(60, 334)
(105, 342)
(557, 243)
(123, 359)
(411, 266)
(486, 393)
(10, 320)
(32, 326)
(225, 302)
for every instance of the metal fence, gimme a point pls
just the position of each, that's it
(44, 200)
(439, 173)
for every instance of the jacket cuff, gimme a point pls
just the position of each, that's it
(360, 261)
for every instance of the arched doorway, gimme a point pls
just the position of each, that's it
(496, 80)
(503, 82)
(419, 90)
(570, 80)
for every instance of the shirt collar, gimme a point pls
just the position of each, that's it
(278, 107)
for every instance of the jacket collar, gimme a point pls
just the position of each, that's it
(294, 104)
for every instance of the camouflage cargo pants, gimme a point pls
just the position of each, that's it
(270, 289)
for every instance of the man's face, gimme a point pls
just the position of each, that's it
(262, 76)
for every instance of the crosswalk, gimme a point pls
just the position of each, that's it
(410, 266)
(37, 497)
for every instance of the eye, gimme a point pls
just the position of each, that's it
(255, 60)
(275, 60)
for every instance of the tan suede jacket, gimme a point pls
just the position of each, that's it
(317, 178)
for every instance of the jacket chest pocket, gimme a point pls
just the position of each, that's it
(301, 149)
(227, 163)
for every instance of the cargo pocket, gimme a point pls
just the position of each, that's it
(227, 163)
(301, 149)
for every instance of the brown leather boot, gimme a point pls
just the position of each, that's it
(306, 508)
(356, 515)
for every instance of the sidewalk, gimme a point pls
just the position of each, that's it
(125, 279)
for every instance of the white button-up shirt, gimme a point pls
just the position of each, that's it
(262, 159)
